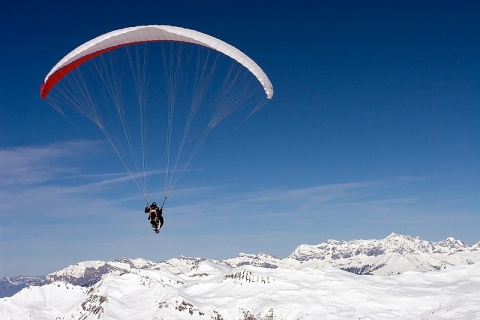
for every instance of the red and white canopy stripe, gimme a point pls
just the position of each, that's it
(140, 34)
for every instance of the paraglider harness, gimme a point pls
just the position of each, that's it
(153, 217)
(155, 214)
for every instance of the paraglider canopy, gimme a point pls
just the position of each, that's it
(154, 86)
(135, 35)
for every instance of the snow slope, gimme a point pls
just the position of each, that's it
(409, 278)
(216, 291)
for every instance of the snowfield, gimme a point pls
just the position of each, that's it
(213, 291)
(264, 287)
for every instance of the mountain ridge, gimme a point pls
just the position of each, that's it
(394, 254)
(217, 291)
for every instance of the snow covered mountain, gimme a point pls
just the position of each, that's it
(306, 284)
(393, 255)
(216, 291)
(88, 273)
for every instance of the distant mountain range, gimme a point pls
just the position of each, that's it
(395, 254)
(311, 283)
(11, 285)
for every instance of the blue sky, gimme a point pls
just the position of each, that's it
(374, 128)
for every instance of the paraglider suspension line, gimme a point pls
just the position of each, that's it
(164, 199)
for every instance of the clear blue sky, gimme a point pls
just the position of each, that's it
(374, 128)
